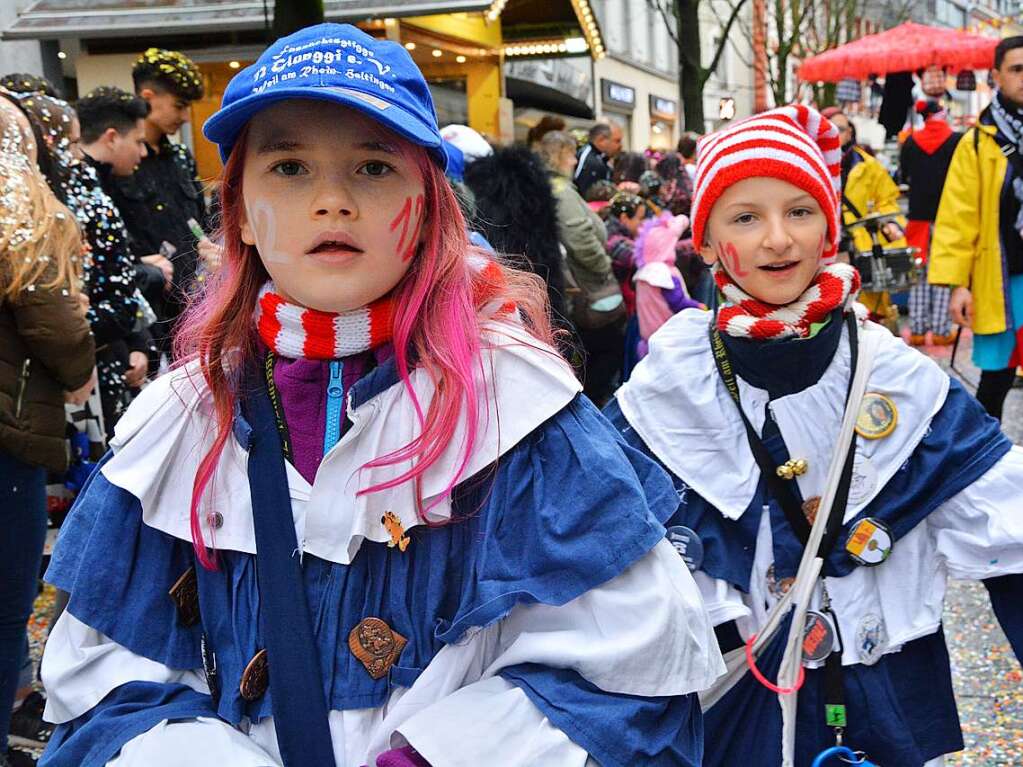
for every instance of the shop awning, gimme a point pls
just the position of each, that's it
(50, 19)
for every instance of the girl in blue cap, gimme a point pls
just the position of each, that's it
(369, 519)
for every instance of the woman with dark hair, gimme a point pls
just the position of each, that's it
(515, 211)
(629, 166)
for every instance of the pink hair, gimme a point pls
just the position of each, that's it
(437, 328)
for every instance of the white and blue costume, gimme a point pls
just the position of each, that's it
(946, 483)
(549, 623)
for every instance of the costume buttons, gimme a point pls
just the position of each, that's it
(796, 467)
(871, 639)
(215, 520)
(185, 595)
(878, 416)
(810, 507)
(396, 530)
(256, 677)
(688, 545)
(376, 645)
(870, 542)
(818, 636)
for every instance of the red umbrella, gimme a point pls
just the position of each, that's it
(905, 48)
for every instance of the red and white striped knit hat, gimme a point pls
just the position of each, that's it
(792, 143)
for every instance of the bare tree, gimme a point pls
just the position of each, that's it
(798, 29)
(682, 18)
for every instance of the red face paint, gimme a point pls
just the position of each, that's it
(409, 222)
(730, 256)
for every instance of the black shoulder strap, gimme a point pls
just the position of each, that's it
(1009, 151)
(852, 208)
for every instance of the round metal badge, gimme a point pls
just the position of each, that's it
(818, 637)
(870, 542)
(688, 545)
(878, 416)
(871, 639)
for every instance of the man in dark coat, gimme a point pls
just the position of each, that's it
(594, 161)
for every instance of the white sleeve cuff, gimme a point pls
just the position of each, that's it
(491, 722)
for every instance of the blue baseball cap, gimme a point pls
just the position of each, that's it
(338, 63)
(456, 161)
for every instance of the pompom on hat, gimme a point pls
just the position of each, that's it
(792, 143)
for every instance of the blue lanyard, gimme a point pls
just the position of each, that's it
(298, 703)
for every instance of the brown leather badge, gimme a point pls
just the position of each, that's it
(374, 643)
(810, 507)
(185, 595)
(256, 677)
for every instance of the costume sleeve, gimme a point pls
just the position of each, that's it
(562, 679)
(118, 661)
(957, 226)
(581, 606)
(677, 297)
(979, 531)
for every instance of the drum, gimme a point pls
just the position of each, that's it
(894, 271)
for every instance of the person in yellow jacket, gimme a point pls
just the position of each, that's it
(978, 246)
(867, 188)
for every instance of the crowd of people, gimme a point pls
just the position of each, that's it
(376, 352)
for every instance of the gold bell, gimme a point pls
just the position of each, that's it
(793, 468)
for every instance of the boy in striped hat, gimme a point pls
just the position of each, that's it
(830, 478)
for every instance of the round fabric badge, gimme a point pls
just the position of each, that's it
(871, 639)
(870, 542)
(863, 481)
(688, 545)
(878, 416)
(777, 588)
(818, 637)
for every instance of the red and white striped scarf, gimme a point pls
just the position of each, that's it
(745, 317)
(294, 331)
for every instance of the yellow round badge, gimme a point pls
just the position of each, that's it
(878, 416)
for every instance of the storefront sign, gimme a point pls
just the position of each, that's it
(662, 109)
(556, 74)
(618, 97)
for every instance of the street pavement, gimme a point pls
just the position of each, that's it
(985, 673)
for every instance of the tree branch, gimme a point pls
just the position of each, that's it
(658, 6)
(726, 30)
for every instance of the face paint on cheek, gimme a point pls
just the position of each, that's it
(402, 220)
(408, 219)
(418, 218)
(264, 224)
(728, 254)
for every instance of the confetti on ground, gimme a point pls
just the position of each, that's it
(985, 674)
